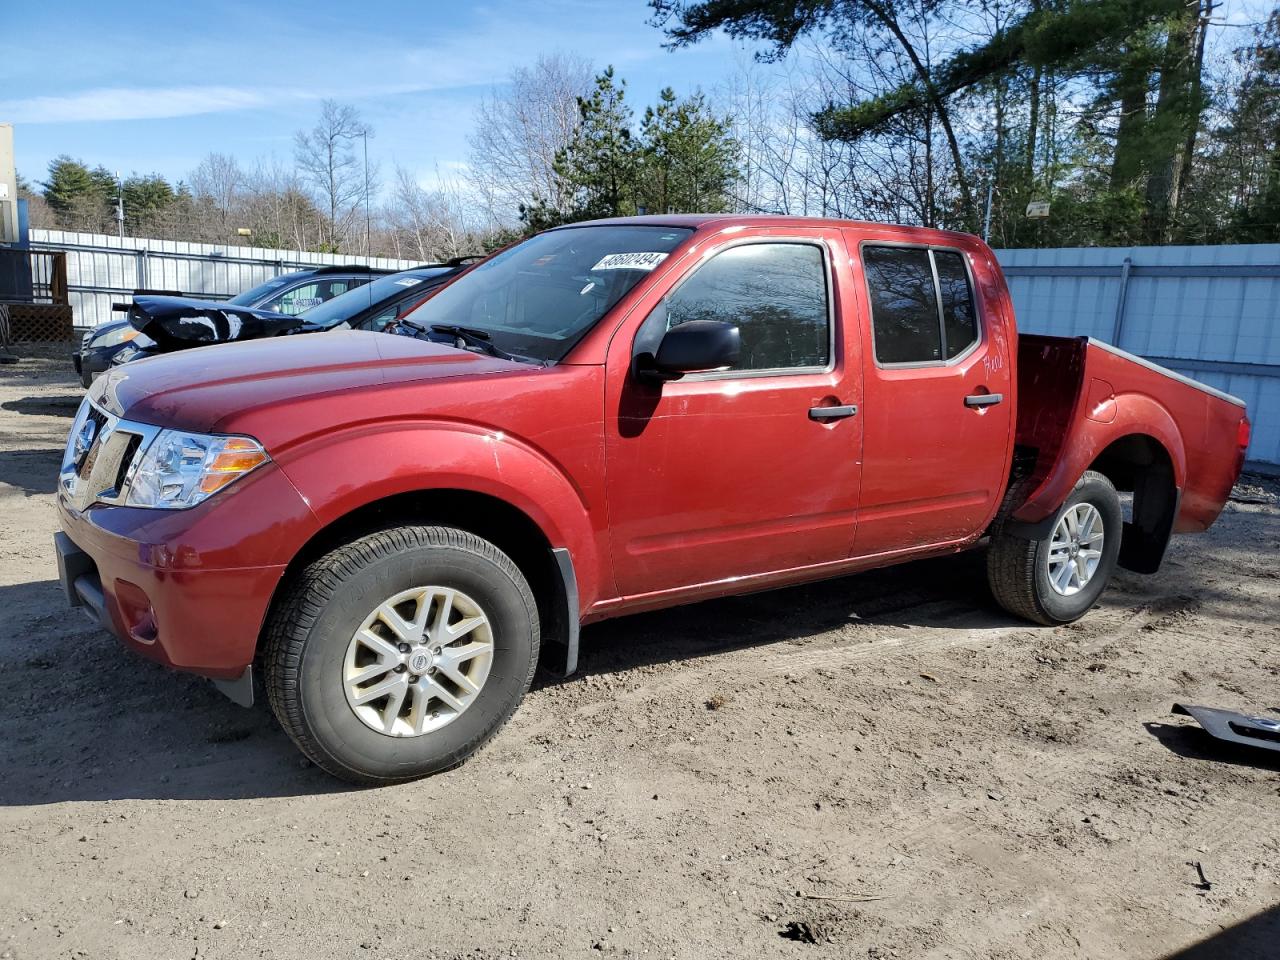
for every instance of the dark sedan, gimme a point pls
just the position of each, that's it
(287, 295)
(166, 324)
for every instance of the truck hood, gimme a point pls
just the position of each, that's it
(200, 389)
(178, 322)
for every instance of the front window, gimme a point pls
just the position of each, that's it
(540, 297)
(774, 292)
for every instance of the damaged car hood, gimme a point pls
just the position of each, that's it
(178, 322)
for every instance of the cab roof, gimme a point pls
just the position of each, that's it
(719, 221)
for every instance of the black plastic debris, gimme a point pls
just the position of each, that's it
(1235, 727)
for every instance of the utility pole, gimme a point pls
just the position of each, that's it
(986, 219)
(368, 245)
(119, 204)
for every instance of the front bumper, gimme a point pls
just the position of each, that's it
(92, 362)
(187, 588)
(206, 622)
(83, 587)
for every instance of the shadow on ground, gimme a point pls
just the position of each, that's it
(950, 592)
(145, 732)
(85, 719)
(1257, 938)
(1194, 743)
(56, 406)
(31, 471)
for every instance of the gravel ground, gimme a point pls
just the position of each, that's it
(878, 766)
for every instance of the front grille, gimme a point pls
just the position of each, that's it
(88, 459)
(100, 451)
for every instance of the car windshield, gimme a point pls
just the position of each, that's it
(540, 297)
(262, 290)
(346, 305)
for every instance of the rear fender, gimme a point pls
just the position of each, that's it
(1136, 413)
(338, 475)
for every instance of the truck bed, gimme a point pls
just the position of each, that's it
(1083, 403)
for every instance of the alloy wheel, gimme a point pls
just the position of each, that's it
(418, 661)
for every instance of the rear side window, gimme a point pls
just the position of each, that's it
(959, 320)
(909, 323)
(776, 294)
(294, 301)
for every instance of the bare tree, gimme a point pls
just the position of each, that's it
(519, 129)
(276, 207)
(429, 225)
(219, 178)
(327, 159)
(787, 167)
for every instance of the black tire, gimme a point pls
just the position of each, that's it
(1018, 572)
(311, 625)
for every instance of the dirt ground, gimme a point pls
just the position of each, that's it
(879, 766)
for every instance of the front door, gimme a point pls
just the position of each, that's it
(938, 406)
(750, 470)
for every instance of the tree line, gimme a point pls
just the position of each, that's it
(1134, 121)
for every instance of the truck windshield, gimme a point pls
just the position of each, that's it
(541, 296)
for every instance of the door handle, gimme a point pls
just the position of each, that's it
(832, 413)
(983, 399)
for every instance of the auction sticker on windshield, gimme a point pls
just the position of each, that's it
(408, 282)
(630, 261)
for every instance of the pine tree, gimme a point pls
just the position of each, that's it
(70, 183)
(687, 157)
(599, 164)
(146, 199)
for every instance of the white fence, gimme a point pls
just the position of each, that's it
(1212, 313)
(102, 269)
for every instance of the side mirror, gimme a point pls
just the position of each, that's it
(693, 347)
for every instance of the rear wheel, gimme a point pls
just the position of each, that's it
(1056, 579)
(400, 654)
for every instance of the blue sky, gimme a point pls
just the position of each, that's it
(154, 85)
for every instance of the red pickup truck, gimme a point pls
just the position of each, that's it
(610, 417)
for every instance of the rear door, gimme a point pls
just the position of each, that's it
(937, 424)
(751, 470)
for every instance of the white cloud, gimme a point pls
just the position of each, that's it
(132, 103)
(141, 103)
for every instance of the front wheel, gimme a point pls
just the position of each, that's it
(1056, 579)
(400, 654)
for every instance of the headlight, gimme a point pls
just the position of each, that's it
(112, 338)
(181, 469)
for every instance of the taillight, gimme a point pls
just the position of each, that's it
(1242, 441)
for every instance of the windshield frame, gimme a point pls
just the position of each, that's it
(545, 346)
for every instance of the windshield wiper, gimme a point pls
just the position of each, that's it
(472, 337)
